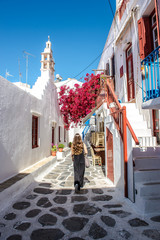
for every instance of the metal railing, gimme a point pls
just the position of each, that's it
(85, 130)
(151, 75)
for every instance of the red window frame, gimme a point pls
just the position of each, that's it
(34, 132)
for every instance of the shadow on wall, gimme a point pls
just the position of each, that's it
(8, 168)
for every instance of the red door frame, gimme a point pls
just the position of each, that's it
(130, 82)
(110, 163)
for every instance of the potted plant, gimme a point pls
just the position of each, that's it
(69, 144)
(54, 150)
(60, 147)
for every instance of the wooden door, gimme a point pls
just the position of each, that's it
(130, 76)
(109, 143)
(156, 130)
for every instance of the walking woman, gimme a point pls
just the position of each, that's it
(78, 150)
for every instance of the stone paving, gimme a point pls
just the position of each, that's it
(50, 210)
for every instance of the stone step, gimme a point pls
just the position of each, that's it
(148, 152)
(132, 112)
(148, 205)
(147, 141)
(148, 189)
(142, 163)
(138, 124)
(147, 175)
(136, 120)
(129, 105)
(143, 132)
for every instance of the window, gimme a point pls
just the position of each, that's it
(107, 69)
(154, 31)
(112, 66)
(53, 135)
(64, 135)
(153, 19)
(145, 37)
(122, 8)
(155, 38)
(34, 131)
(59, 134)
(129, 51)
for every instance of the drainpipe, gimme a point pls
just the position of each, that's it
(125, 151)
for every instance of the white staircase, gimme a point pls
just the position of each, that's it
(147, 179)
(146, 163)
(139, 125)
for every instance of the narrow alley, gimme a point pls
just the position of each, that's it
(50, 210)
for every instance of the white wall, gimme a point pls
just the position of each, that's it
(16, 109)
(73, 131)
(108, 49)
(121, 32)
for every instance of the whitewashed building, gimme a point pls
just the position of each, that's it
(30, 120)
(133, 35)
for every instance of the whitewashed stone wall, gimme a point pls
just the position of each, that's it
(16, 109)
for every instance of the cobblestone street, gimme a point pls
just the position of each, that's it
(50, 210)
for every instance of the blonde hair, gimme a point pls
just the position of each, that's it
(77, 144)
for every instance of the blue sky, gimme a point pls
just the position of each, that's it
(78, 31)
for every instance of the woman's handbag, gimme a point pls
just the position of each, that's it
(87, 162)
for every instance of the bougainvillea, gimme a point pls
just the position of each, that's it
(76, 103)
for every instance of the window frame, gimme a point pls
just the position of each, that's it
(155, 40)
(65, 135)
(59, 133)
(35, 125)
(153, 28)
(53, 134)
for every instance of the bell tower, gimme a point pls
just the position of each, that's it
(47, 62)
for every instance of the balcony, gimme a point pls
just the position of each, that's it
(151, 77)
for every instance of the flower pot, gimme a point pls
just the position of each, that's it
(60, 149)
(53, 153)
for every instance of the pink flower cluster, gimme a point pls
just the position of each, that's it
(77, 103)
